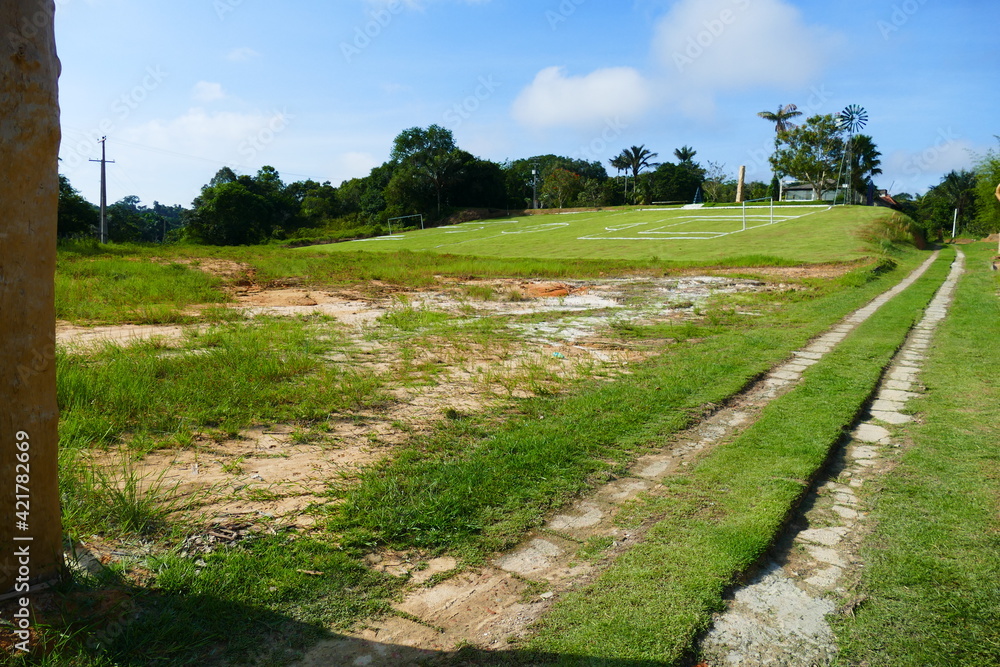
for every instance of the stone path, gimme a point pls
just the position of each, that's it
(780, 617)
(490, 606)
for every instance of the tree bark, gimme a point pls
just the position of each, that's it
(29, 196)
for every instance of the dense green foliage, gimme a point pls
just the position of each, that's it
(77, 216)
(811, 152)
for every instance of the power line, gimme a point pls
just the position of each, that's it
(203, 159)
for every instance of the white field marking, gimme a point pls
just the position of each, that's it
(538, 228)
(467, 230)
(394, 237)
(695, 236)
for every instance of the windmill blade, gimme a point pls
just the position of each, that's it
(853, 118)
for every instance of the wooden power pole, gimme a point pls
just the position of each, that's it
(30, 526)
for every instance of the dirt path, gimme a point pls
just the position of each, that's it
(489, 606)
(780, 617)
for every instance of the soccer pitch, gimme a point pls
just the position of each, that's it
(795, 233)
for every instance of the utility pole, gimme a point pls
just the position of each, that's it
(998, 235)
(104, 189)
(534, 185)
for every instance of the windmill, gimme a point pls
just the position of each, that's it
(851, 120)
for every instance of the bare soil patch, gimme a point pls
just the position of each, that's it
(276, 474)
(793, 272)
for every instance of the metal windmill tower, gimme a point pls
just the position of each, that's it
(851, 120)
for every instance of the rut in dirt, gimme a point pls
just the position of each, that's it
(492, 606)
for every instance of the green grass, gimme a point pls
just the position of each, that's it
(118, 290)
(476, 486)
(228, 378)
(114, 501)
(933, 563)
(260, 600)
(819, 236)
(714, 523)
(478, 482)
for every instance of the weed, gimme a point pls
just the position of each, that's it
(479, 292)
(413, 319)
(115, 499)
(235, 466)
(595, 547)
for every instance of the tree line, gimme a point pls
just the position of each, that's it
(964, 199)
(426, 173)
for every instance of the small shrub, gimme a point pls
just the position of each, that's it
(887, 234)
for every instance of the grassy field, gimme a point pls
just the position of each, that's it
(472, 484)
(799, 234)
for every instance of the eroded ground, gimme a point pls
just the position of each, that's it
(459, 348)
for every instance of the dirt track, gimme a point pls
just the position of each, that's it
(491, 606)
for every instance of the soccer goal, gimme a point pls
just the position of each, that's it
(769, 200)
(406, 217)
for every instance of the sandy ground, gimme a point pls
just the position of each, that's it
(279, 472)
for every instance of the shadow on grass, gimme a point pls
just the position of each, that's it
(117, 626)
(352, 651)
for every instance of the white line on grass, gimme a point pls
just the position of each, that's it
(695, 236)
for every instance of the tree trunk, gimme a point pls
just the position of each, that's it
(30, 530)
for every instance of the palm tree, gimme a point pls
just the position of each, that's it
(685, 154)
(960, 189)
(638, 158)
(619, 163)
(635, 159)
(865, 161)
(781, 118)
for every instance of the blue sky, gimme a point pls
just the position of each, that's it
(320, 89)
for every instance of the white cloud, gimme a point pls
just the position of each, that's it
(922, 168)
(724, 44)
(554, 99)
(205, 91)
(242, 54)
(223, 136)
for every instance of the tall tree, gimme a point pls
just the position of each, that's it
(718, 186)
(685, 154)
(431, 153)
(811, 153)
(77, 216)
(29, 202)
(620, 164)
(959, 187)
(636, 159)
(781, 118)
(561, 186)
(677, 182)
(988, 192)
(866, 161)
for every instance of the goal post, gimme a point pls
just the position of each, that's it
(407, 217)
